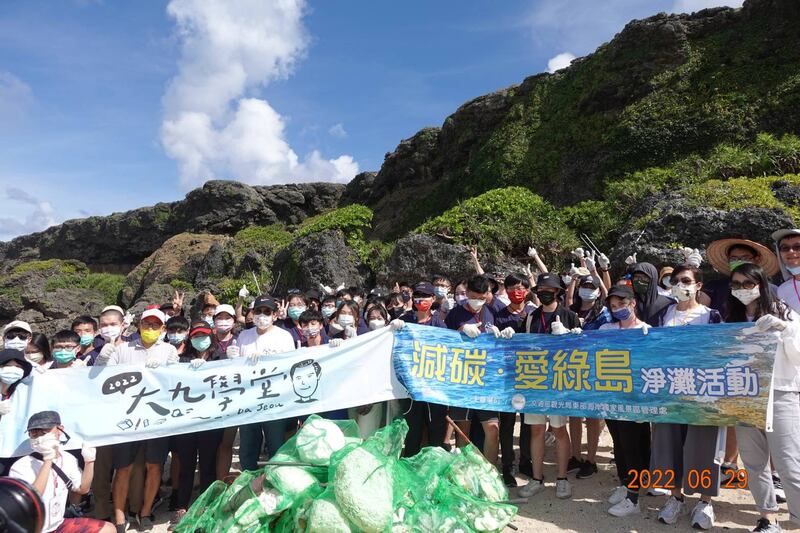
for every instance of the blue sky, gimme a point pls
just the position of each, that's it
(108, 105)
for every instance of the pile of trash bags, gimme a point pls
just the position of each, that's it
(331, 481)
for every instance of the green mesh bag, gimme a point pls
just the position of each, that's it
(429, 465)
(323, 515)
(431, 518)
(294, 518)
(202, 507)
(477, 476)
(252, 507)
(479, 515)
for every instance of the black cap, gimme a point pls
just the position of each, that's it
(379, 291)
(44, 420)
(424, 288)
(587, 279)
(9, 354)
(621, 291)
(313, 294)
(549, 280)
(265, 301)
(165, 307)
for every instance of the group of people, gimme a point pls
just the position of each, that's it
(124, 479)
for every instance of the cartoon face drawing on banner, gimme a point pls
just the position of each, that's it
(305, 379)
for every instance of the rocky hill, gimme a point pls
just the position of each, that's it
(680, 130)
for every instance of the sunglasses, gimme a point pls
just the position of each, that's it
(785, 248)
(262, 312)
(21, 336)
(736, 285)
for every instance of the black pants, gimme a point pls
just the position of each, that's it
(507, 421)
(189, 445)
(631, 447)
(422, 415)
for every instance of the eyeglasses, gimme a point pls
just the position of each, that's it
(149, 325)
(785, 248)
(736, 285)
(262, 311)
(21, 336)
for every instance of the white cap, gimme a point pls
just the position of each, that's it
(783, 233)
(225, 308)
(157, 313)
(113, 308)
(17, 324)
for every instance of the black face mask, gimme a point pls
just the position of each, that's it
(395, 312)
(405, 296)
(248, 325)
(546, 297)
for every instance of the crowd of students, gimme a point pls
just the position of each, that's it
(125, 478)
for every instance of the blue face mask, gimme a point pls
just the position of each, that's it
(63, 356)
(328, 311)
(209, 320)
(201, 344)
(621, 314)
(176, 338)
(295, 312)
(794, 270)
(87, 339)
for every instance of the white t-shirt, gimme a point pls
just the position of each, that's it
(133, 352)
(616, 325)
(787, 293)
(55, 492)
(697, 316)
(274, 340)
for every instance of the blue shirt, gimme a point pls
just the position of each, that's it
(460, 315)
(506, 318)
(435, 321)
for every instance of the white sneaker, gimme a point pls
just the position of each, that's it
(532, 487)
(671, 511)
(703, 516)
(619, 494)
(563, 489)
(657, 492)
(624, 508)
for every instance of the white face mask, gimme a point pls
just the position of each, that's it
(589, 294)
(684, 293)
(747, 295)
(346, 320)
(566, 279)
(476, 303)
(439, 291)
(378, 323)
(44, 443)
(224, 325)
(16, 344)
(262, 321)
(110, 333)
(11, 374)
(34, 357)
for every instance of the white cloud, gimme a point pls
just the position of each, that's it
(690, 6)
(338, 131)
(40, 218)
(213, 125)
(15, 97)
(560, 61)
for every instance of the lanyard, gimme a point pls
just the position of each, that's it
(544, 325)
(794, 284)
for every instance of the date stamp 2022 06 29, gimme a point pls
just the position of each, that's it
(695, 479)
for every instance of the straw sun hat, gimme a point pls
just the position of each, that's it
(717, 253)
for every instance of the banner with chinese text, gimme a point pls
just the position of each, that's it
(112, 404)
(703, 375)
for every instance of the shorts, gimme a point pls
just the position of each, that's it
(155, 452)
(80, 525)
(535, 419)
(463, 414)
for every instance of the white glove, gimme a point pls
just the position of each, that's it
(645, 329)
(335, 343)
(173, 358)
(340, 287)
(576, 331)
(197, 363)
(105, 354)
(557, 328)
(507, 333)
(471, 330)
(349, 332)
(603, 262)
(233, 352)
(76, 363)
(41, 369)
(88, 453)
(494, 331)
(631, 260)
(127, 321)
(692, 257)
(578, 253)
(768, 322)
(253, 357)
(527, 270)
(532, 253)
(152, 362)
(590, 264)
(397, 324)
(5, 407)
(325, 289)
(243, 292)
(49, 453)
(447, 304)
(573, 270)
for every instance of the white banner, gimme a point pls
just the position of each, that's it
(111, 404)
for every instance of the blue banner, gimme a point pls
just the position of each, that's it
(716, 375)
